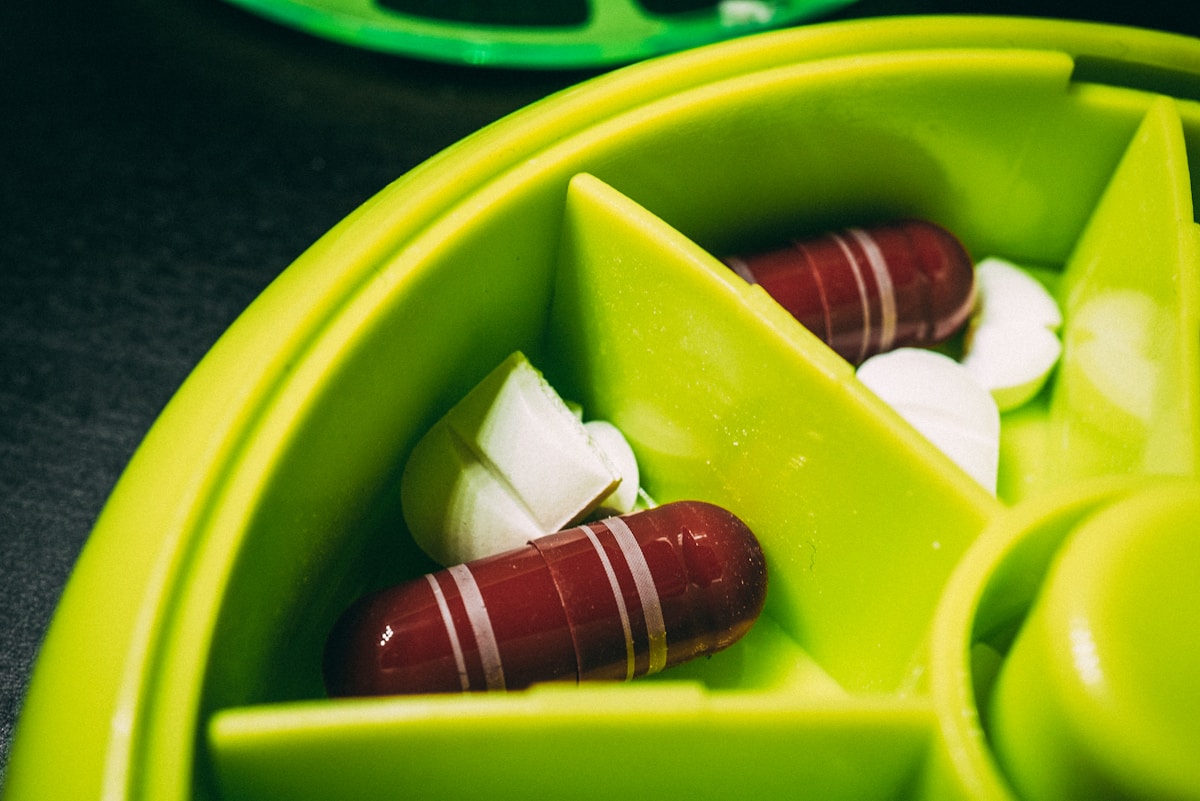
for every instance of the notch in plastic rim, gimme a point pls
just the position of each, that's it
(614, 32)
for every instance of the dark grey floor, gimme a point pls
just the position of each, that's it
(163, 160)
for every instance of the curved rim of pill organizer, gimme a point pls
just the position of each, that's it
(122, 674)
(613, 31)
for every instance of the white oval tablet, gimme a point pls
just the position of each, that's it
(1007, 295)
(939, 398)
(1011, 345)
(1011, 361)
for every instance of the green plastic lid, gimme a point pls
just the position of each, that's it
(535, 33)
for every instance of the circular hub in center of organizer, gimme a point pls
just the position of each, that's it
(1097, 697)
(1064, 655)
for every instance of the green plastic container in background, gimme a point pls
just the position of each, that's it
(893, 659)
(535, 34)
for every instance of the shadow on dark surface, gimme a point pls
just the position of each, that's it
(164, 161)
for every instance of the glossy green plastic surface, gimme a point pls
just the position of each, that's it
(533, 34)
(1097, 698)
(184, 662)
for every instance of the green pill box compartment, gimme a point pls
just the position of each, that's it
(581, 231)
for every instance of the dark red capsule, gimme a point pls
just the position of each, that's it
(869, 290)
(613, 599)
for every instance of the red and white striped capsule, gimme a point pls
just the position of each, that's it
(614, 599)
(870, 290)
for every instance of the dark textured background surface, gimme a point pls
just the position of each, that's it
(163, 161)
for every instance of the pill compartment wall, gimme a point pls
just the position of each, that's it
(591, 247)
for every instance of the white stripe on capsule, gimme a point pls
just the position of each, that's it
(816, 276)
(887, 290)
(630, 654)
(740, 267)
(481, 624)
(863, 298)
(451, 630)
(656, 628)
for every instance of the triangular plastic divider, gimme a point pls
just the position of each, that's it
(1127, 394)
(726, 398)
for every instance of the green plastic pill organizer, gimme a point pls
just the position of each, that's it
(922, 639)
